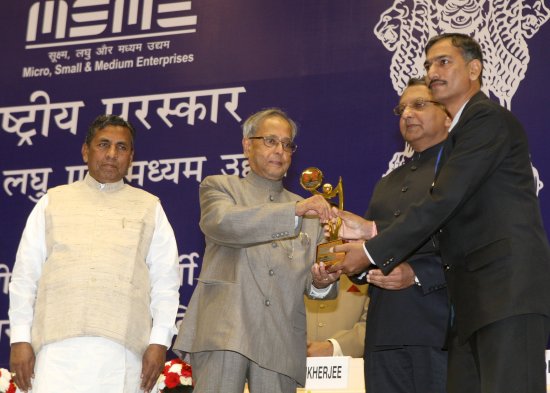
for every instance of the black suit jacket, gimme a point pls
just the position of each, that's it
(416, 315)
(485, 212)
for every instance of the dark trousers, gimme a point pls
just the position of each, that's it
(409, 369)
(507, 356)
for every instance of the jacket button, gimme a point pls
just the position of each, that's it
(397, 213)
(267, 303)
(404, 189)
(271, 272)
(271, 198)
(414, 168)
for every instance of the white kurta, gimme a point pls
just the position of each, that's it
(91, 364)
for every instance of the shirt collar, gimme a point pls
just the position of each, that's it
(107, 187)
(262, 182)
(457, 116)
(429, 152)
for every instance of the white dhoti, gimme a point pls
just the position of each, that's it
(86, 365)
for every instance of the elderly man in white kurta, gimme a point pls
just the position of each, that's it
(94, 291)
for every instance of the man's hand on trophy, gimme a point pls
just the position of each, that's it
(355, 260)
(315, 206)
(354, 227)
(322, 278)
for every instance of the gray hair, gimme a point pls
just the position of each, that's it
(250, 126)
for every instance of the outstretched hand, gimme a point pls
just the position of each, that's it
(353, 227)
(355, 260)
(315, 206)
(322, 278)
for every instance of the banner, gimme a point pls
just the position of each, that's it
(187, 73)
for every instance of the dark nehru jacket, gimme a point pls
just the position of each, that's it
(416, 315)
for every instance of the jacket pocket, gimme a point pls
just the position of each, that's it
(487, 254)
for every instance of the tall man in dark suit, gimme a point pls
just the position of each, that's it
(484, 212)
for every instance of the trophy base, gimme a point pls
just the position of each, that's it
(329, 258)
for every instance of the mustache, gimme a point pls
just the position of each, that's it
(435, 81)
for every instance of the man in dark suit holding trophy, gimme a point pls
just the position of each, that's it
(408, 310)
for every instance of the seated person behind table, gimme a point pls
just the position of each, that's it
(337, 327)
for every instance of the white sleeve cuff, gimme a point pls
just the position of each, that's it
(162, 336)
(337, 350)
(20, 334)
(319, 293)
(368, 255)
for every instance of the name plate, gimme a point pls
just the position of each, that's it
(327, 372)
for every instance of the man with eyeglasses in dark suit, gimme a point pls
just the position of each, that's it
(408, 311)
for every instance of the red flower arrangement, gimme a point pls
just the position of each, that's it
(175, 378)
(6, 383)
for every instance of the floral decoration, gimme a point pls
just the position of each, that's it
(176, 377)
(6, 383)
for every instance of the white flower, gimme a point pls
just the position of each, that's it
(175, 368)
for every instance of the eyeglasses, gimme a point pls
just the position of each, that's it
(418, 105)
(273, 141)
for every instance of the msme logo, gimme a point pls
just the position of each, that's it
(61, 22)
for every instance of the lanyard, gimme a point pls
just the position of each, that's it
(438, 159)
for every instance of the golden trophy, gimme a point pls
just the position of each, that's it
(311, 180)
